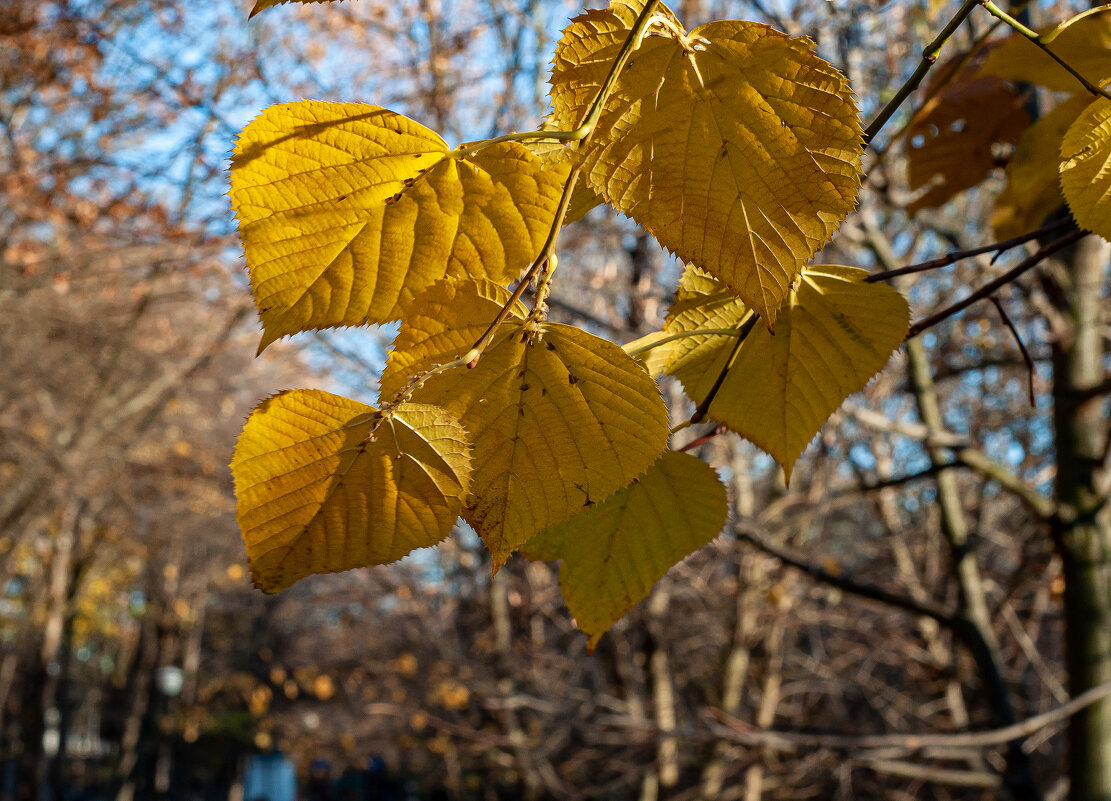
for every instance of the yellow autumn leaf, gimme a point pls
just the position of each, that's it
(559, 156)
(441, 325)
(347, 211)
(1033, 189)
(1085, 46)
(735, 145)
(1086, 168)
(616, 550)
(261, 5)
(326, 484)
(951, 147)
(835, 333)
(560, 418)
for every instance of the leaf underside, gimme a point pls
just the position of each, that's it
(739, 150)
(347, 211)
(835, 333)
(1033, 188)
(326, 484)
(616, 550)
(560, 418)
(952, 146)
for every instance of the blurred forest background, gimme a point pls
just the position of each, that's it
(137, 662)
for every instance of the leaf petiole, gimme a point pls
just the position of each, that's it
(632, 41)
(1043, 42)
(644, 21)
(719, 332)
(546, 253)
(743, 330)
(1049, 36)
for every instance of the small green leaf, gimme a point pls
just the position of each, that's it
(616, 550)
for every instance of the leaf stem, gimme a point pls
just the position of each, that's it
(475, 353)
(929, 58)
(1041, 42)
(719, 332)
(583, 132)
(1049, 36)
(417, 382)
(743, 330)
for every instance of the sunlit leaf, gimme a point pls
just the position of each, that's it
(735, 145)
(1085, 46)
(560, 418)
(326, 484)
(616, 550)
(835, 333)
(347, 211)
(1086, 168)
(558, 156)
(952, 147)
(1033, 189)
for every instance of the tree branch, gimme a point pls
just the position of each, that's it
(990, 288)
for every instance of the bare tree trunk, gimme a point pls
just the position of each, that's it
(975, 623)
(749, 582)
(663, 688)
(518, 738)
(56, 639)
(1082, 530)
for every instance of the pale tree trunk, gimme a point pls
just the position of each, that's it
(750, 574)
(507, 689)
(974, 622)
(769, 702)
(663, 688)
(1082, 530)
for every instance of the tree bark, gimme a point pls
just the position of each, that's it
(975, 623)
(1082, 531)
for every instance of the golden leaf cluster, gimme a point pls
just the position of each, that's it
(733, 144)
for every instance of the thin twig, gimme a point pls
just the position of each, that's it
(929, 58)
(738, 731)
(1030, 368)
(694, 443)
(861, 589)
(954, 256)
(989, 289)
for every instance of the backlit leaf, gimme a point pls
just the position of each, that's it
(1085, 46)
(835, 333)
(441, 325)
(1086, 168)
(616, 550)
(347, 211)
(952, 146)
(735, 145)
(558, 156)
(326, 484)
(1033, 189)
(560, 418)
